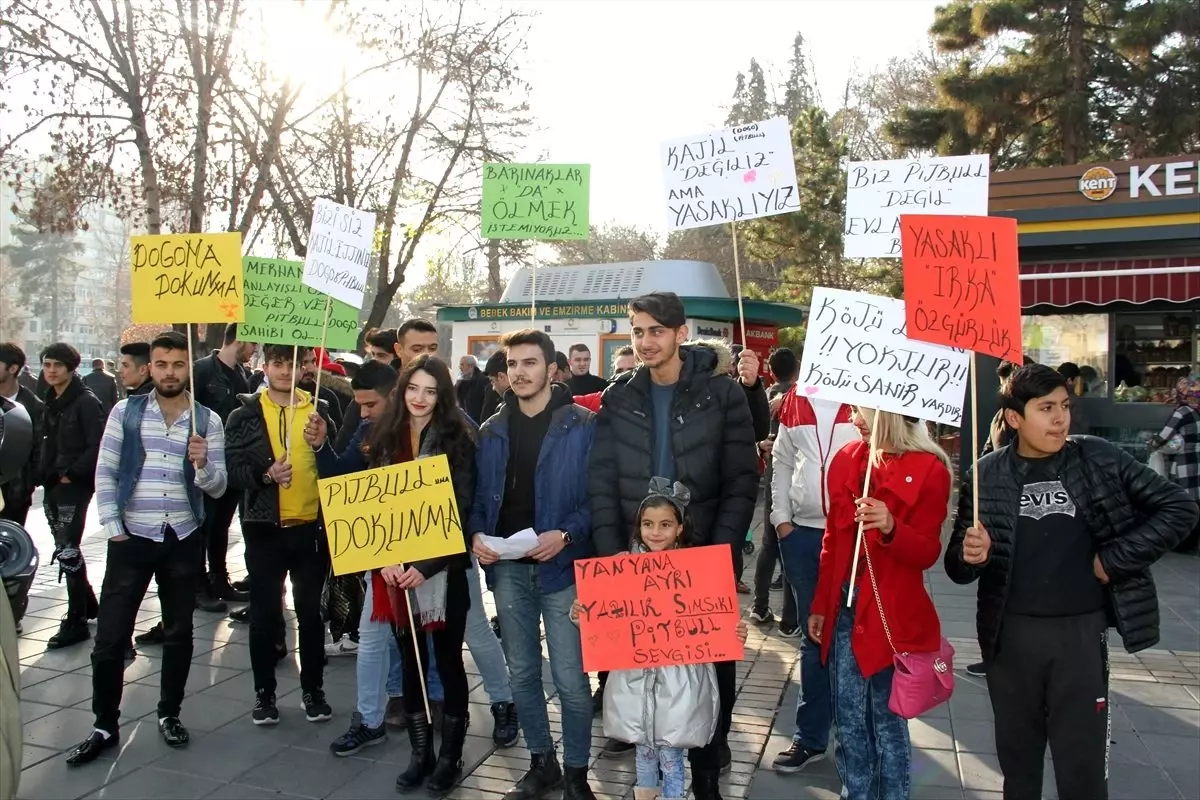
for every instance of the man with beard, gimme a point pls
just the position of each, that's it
(470, 388)
(134, 369)
(219, 378)
(72, 425)
(155, 467)
(18, 492)
(308, 382)
(532, 459)
(380, 345)
(679, 416)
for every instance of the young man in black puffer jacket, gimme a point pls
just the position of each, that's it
(679, 415)
(1068, 529)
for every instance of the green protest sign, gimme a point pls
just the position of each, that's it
(535, 201)
(280, 309)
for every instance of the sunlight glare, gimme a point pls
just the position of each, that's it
(300, 45)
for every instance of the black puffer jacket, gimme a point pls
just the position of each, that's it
(248, 456)
(712, 438)
(1134, 517)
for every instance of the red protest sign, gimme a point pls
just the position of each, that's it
(658, 609)
(961, 284)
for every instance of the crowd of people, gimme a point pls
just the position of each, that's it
(668, 451)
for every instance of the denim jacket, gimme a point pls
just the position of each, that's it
(560, 483)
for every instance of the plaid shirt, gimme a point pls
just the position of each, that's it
(1185, 422)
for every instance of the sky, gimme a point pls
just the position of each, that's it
(612, 79)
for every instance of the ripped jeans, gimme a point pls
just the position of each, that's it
(670, 760)
(66, 508)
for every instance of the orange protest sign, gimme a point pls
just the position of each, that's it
(658, 609)
(961, 284)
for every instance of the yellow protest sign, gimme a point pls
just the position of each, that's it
(187, 277)
(391, 515)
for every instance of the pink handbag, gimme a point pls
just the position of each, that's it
(922, 680)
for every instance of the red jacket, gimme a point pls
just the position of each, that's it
(589, 401)
(916, 488)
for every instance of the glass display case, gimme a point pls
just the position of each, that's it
(1152, 352)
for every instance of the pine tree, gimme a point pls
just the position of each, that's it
(798, 93)
(1045, 82)
(750, 103)
(42, 255)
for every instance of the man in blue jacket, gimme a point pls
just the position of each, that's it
(533, 465)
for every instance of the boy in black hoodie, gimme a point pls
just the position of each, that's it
(72, 425)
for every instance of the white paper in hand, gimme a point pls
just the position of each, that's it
(516, 546)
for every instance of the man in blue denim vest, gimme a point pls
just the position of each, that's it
(154, 469)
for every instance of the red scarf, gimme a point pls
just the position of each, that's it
(389, 604)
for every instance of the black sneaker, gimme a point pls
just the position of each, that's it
(506, 730)
(241, 615)
(789, 632)
(795, 758)
(265, 712)
(358, 737)
(726, 759)
(72, 630)
(598, 700)
(777, 584)
(206, 602)
(315, 707)
(496, 626)
(742, 587)
(763, 617)
(153, 636)
(978, 670)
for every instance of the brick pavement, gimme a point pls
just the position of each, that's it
(1156, 696)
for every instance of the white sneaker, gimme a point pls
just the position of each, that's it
(342, 647)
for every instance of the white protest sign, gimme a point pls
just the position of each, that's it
(340, 242)
(737, 173)
(856, 351)
(878, 192)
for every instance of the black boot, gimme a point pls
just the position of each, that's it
(449, 760)
(575, 784)
(72, 630)
(705, 784)
(420, 736)
(544, 776)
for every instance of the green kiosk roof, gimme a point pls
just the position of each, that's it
(721, 309)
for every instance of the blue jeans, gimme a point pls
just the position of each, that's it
(522, 605)
(801, 554)
(874, 759)
(670, 760)
(484, 646)
(378, 654)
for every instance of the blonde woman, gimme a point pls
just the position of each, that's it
(902, 514)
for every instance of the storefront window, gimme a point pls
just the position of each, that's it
(1153, 351)
(1061, 341)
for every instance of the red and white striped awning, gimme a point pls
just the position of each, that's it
(1099, 283)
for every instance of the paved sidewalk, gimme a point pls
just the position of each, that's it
(1156, 721)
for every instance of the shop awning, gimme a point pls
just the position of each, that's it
(1099, 283)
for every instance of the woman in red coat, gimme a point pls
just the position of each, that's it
(902, 514)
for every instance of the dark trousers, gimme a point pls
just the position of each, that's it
(764, 570)
(1049, 682)
(709, 756)
(131, 564)
(447, 650)
(218, 516)
(272, 554)
(66, 508)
